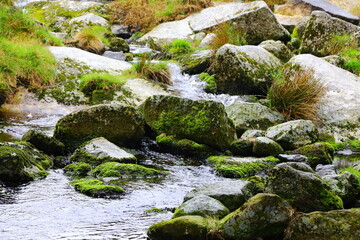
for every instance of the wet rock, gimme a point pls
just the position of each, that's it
(278, 48)
(264, 147)
(292, 158)
(47, 144)
(96, 188)
(304, 190)
(244, 69)
(202, 205)
(262, 216)
(79, 169)
(204, 122)
(182, 228)
(340, 224)
(293, 134)
(100, 150)
(317, 153)
(241, 147)
(197, 62)
(320, 30)
(232, 194)
(121, 125)
(252, 116)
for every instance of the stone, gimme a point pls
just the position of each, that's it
(96, 188)
(264, 147)
(338, 109)
(332, 225)
(252, 116)
(78, 169)
(304, 190)
(323, 170)
(86, 20)
(241, 147)
(293, 134)
(118, 44)
(292, 158)
(47, 144)
(244, 69)
(100, 150)
(115, 55)
(320, 30)
(278, 48)
(252, 133)
(232, 194)
(197, 62)
(202, 205)
(182, 228)
(121, 125)
(289, 22)
(348, 5)
(207, 40)
(121, 31)
(262, 216)
(317, 153)
(204, 122)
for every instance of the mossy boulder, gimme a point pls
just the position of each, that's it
(125, 170)
(244, 69)
(332, 225)
(204, 122)
(182, 228)
(278, 48)
(241, 147)
(96, 188)
(293, 134)
(262, 216)
(117, 44)
(302, 188)
(317, 153)
(197, 62)
(252, 116)
(252, 134)
(78, 169)
(202, 205)
(264, 147)
(235, 167)
(232, 194)
(121, 125)
(47, 144)
(100, 150)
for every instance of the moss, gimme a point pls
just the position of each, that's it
(96, 188)
(178, 47)
(353, 170)
(317, 153)
(156, 210)
(354, 145)
(260, 182)
(211, 82)
(78, 169)
(330, 200)
(122, 170)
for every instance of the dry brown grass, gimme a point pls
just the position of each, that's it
(89, 42)
(157, 72)
(226, 33)
(296, 95)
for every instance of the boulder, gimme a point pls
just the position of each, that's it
(100, 150)
(241, 147)
(78, 169)
(262, 216)
(292, 158)
(304, 190)
(118, 44)
(86, 20)
(252, 134)
(207, 40)
(278, 48)
(320, 30)
(182, 228)
(338, 110)
(252, 116)
(244, 69)
(197, 62)
(317, 153)
(289, 22)
(348, 5)
(232, 194)
(254, 19)
(293, 134)
(332, 225)
(264, 147)
(202, 121)
(202, 205)
(47, 144)
(96, 188)
(121, 125)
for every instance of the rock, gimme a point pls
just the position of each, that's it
(100, 150)
(197, 62)
(115, 55)
(292, 158)
(202, 121)
(241, 147)
(182, 228)
(121, 125)
(289, 22)
(317, 153)
(293, 134)
(248, 134)
(348, 5)
(340, 224)
(232, 194)
(319, 32)
(86, 20)
(264, 147)
(252, 116)
(278, 48)
(323, 170)
(346, 186)
(77, 6)
(244, 69)
(78, 169)
(21, 163)
(304, 190)
(47, 144)
(202, 205)
(118, 45)
(334, 60)
(235, 167)
(306, 7)
(262, 216)
(207, 40)
(96, 188)
(121, 31)
(255, 20)
(338, 110)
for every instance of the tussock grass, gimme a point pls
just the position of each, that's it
(96, 81)
(178, 47)
(295, 94)
(89, 42)
(226, 33)
(157, 72)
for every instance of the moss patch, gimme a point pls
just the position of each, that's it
(78, 169)
(96, 188)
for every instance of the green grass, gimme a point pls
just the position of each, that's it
(211, 86)
(98, 31)
(157, 72)
(352, 170)
(178, 47)
(97, 81)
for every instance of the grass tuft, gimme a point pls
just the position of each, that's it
(89, 42)
(157, 72)
(178, 47)
(226, 33)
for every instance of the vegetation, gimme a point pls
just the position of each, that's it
(353, 170)
(157, 72)
(226, 33)
(89, 42)
(296, 94)
(178, 47)
(211, 83)
(96, 188)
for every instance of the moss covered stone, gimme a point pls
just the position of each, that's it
(264, 146)
(121, 125)
(47, 144)
(317, 153)
(241, 147)
(202, 121)
(96, 188)
(78, 169)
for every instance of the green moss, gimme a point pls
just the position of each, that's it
(353, 170)
(96, 188)
(178, 47)
(330, 200)
(317, 153)
(354, 145)
(156, 210)
(210, 79)
(114, 169)
(260, 182)
(78, 169)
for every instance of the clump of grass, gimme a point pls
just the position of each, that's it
(100, 82)
(296, 95)
(98, 31)
(89, 42)
(211, 83)
(353, 170)
(9, 3)
(157, 72)
(226, 33)
(178, 47)
(351, 60)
